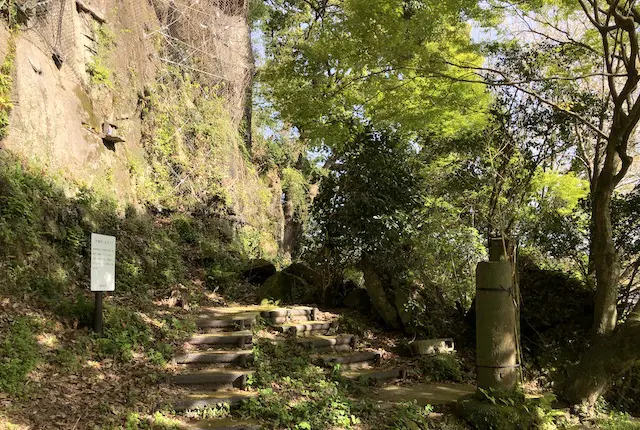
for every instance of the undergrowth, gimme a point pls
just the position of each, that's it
(19, 355)
(295, 393)
(6, 84)
(45, 260)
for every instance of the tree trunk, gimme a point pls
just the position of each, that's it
(607, 359)
(604, 255)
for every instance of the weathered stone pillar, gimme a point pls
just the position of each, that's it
(496, 326)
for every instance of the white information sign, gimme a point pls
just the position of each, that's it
(103, 262)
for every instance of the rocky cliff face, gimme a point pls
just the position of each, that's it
(142, 100)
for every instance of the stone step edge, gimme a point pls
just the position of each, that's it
(235, 379)
(319, 342)
(240, 338)
(200, 402)
(212, 426)
(203, 357)
(217, 322)
(378, 376)
(310, 326)
(278, 314)
(354, 358)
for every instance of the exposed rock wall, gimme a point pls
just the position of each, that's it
(59, 109)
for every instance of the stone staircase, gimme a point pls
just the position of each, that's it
(217, 361)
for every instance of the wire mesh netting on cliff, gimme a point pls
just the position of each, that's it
(53, 21)
(208, 38)
(211, 39)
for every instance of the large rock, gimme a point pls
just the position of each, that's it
(301, 270)
(401, 302)
(381, 303)
(358, 298)
(287, 289)
(259, 271)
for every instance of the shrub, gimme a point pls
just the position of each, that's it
(296, 394)
(624, 394)
(19, 355)
(441, 368)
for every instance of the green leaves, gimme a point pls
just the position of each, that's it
(332, 68)
(19, 355)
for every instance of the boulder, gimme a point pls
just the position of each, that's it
(258, 271)
(287, 289)
(401, 302)
(301, 270)
(375, 289)
(358, 298)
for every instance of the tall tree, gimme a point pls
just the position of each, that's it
(333, 65)
(606, 31)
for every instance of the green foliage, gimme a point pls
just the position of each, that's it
(100, 72)
(209, 412)
(124, 333)
(98, 69)
(495, 411)
(328, 72)
(366, 203)
(188, 134)
(19, 355)
(410, 416)
(624, 394)
(555, 307)
(296, 189)
(157, 422)
(9, 11)
(296, 394)
(618, 421)
(441, 368)
(6, 82)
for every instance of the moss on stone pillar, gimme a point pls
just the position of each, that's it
(496, 339)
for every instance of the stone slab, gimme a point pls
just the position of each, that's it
(424, 394)
(211, 399)
(378, 375)
(236, 379)
(236, 337)
(238, 357)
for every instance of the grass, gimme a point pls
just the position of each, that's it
(6, 84)
(19, 355)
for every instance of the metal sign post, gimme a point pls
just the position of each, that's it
(103, 273)
(97, 313)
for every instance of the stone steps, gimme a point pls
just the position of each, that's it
(285, 315)
(240, 321)
(306, 328)
(375, 375)
(355, 360)
(225, 424)
(240, 338)
(239, 357)
(200, 400)
(327, 342)
(213, 378)
(423, 393)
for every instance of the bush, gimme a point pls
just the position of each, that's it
(491, 411)
(125, 334)
(19, 355)
(441, 368)
(624, 394)
(296, 394)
